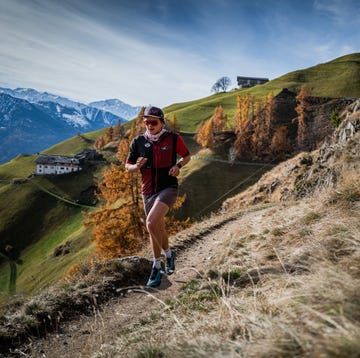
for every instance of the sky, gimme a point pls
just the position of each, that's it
(162, 52)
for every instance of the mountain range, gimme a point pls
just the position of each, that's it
(31, 121)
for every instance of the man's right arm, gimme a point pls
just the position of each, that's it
(130, 167)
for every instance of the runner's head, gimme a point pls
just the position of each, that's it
(151, 111)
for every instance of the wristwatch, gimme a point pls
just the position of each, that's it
(179, 165)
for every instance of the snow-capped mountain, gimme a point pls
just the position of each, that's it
(83, 119)
(31, 121)
(34, 96)
(25, 128)
(117, 107)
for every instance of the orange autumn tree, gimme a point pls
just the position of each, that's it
(109, 134)
(243, 125)
(205, 135)
(279, 143)
(174, 125)
(218, 119)
(99, 143)
(118, 225)
(118, 131)
(262, 125)
(302, 118)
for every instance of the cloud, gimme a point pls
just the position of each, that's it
(160, 52)
(341, 11)
(88, 59)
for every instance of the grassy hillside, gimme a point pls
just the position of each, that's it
(36, 217)
(207, 181)
(20, 167)
(337, 78)
(31, 216)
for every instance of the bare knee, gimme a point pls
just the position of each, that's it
(150, 224)
(156, 217)
(155, 224)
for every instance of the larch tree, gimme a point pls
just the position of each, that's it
(205, 135)
(109, 134)
(218, 119)
(243, 125)
(262, 126)
(118, 225)
(280, 146)
(301, 109)
(118, 131)
(174, 125)
(99, 143)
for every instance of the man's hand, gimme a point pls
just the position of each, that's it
(140, 162)
(174, 171)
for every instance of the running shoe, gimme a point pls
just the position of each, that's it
(170, 263)
(155, 278)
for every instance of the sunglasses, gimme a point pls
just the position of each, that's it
(151, 122)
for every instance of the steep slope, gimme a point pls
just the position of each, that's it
(306, 173)
(336, 78)
(339, 78)
(258, 280)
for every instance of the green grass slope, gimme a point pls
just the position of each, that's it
(36, 217)
(337, 78)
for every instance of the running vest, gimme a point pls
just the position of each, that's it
(161, 155)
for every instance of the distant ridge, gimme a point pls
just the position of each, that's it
(31, 121)
(117, 107)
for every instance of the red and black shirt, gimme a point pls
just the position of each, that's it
(161, 155)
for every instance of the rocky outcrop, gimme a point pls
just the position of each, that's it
(345, 132)
(309, 172)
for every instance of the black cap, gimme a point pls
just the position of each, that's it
(151, 111)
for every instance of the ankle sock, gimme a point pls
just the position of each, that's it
(157, 263)
(167, 253)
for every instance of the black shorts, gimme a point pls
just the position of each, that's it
(167, 196)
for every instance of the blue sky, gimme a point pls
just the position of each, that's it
(165, 51)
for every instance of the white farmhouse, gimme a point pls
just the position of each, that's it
(56, 164)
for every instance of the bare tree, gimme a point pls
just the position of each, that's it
(222, 84)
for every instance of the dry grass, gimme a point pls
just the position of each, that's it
(286, 284)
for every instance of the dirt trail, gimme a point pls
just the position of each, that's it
(87, 335)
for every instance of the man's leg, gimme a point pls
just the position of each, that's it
(155, 223)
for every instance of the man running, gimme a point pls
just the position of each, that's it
(155, 154)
